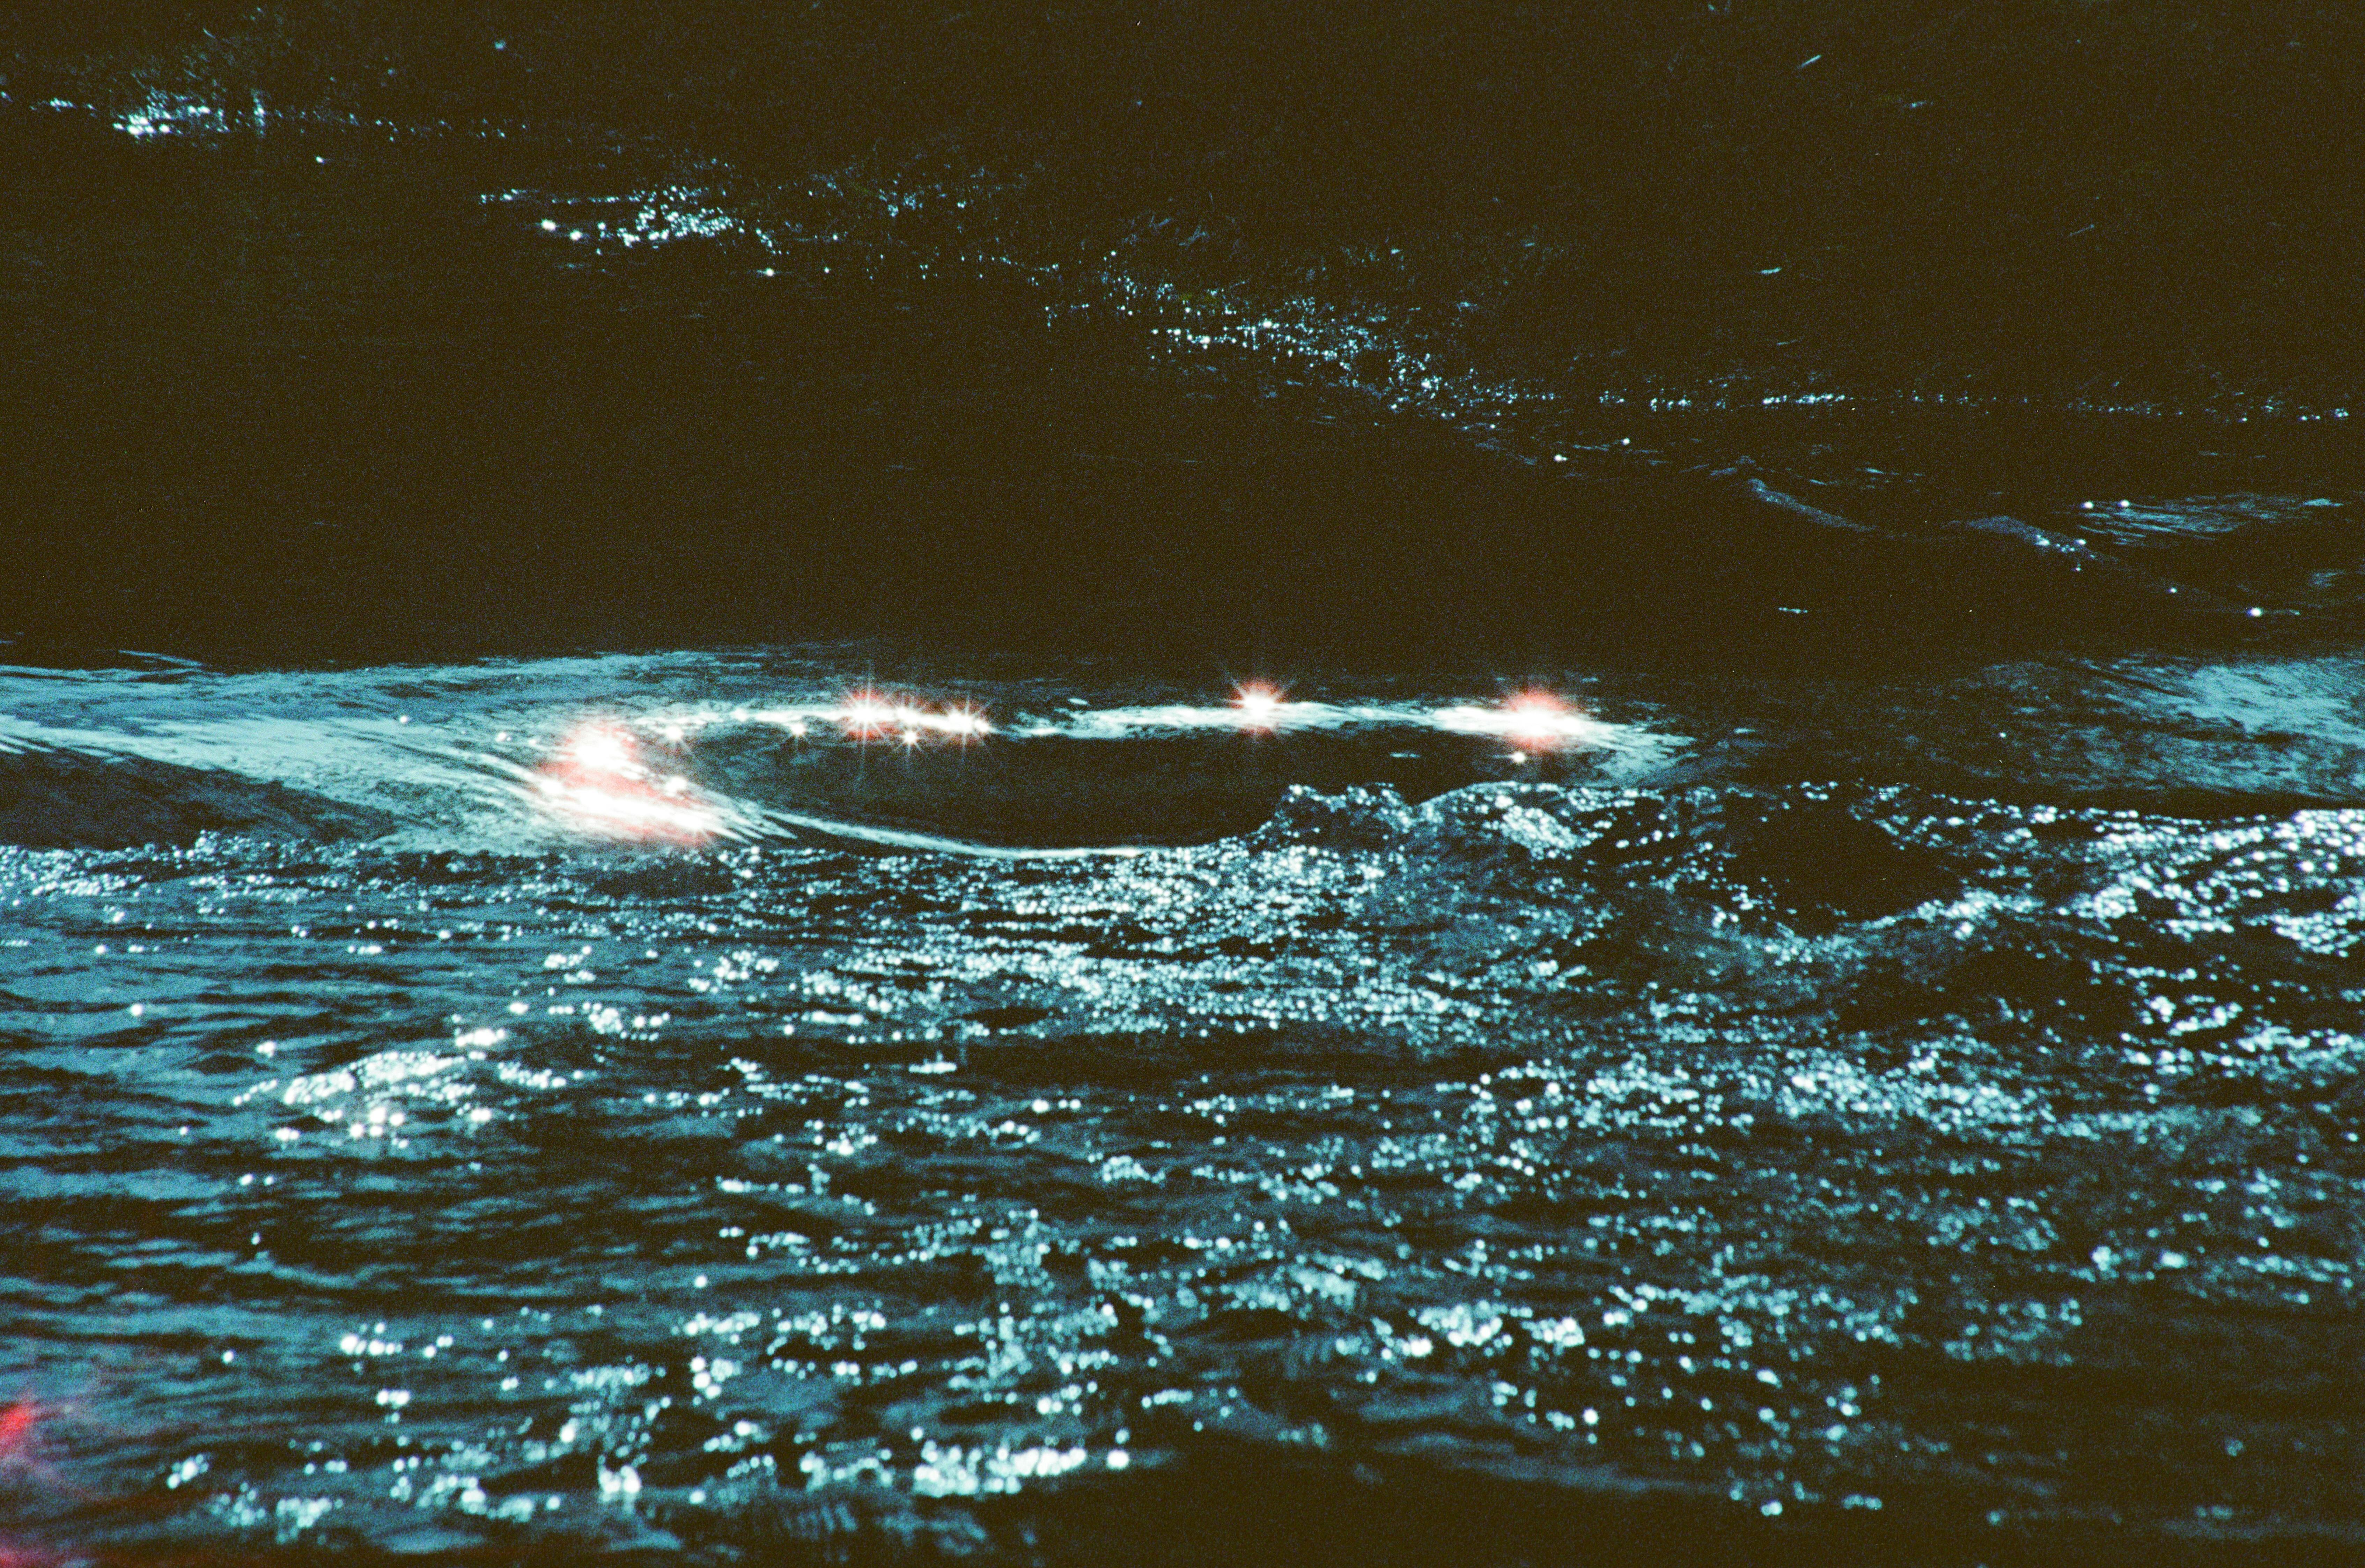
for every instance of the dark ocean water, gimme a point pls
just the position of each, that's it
(1181, 785)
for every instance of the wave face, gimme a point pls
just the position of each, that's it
(701, 1104)
(1180, 784)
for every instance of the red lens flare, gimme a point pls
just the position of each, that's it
(1531, 720)
(21, 1463)
(598, 752)
(24, 1473)
(1259, 702)
(600, 782)
(1535, 720)
(20, 1424)
(867, 715)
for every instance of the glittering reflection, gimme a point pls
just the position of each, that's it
(652, 217)
(1793, 1150)
(179, 114)
(1766, 1149)
(1530, 721)
(1256, 710)
(1533, 720)
(1620, 1254)
(869, 715)
(600, 782)
(1258, 704)
(898, 768)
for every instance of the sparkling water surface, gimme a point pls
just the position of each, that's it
(1625, 1126)
(1180, 794)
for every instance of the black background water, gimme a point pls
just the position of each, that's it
(1880, 1080)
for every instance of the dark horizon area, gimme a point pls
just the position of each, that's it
(287, 383)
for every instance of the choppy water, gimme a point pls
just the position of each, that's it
(1636, 1127)
(1462, 885)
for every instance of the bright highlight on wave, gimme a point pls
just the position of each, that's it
(1532, 722)
(1258, 704)
(870, 716)
(598, 783)
(1529, 721)
(614, 778)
